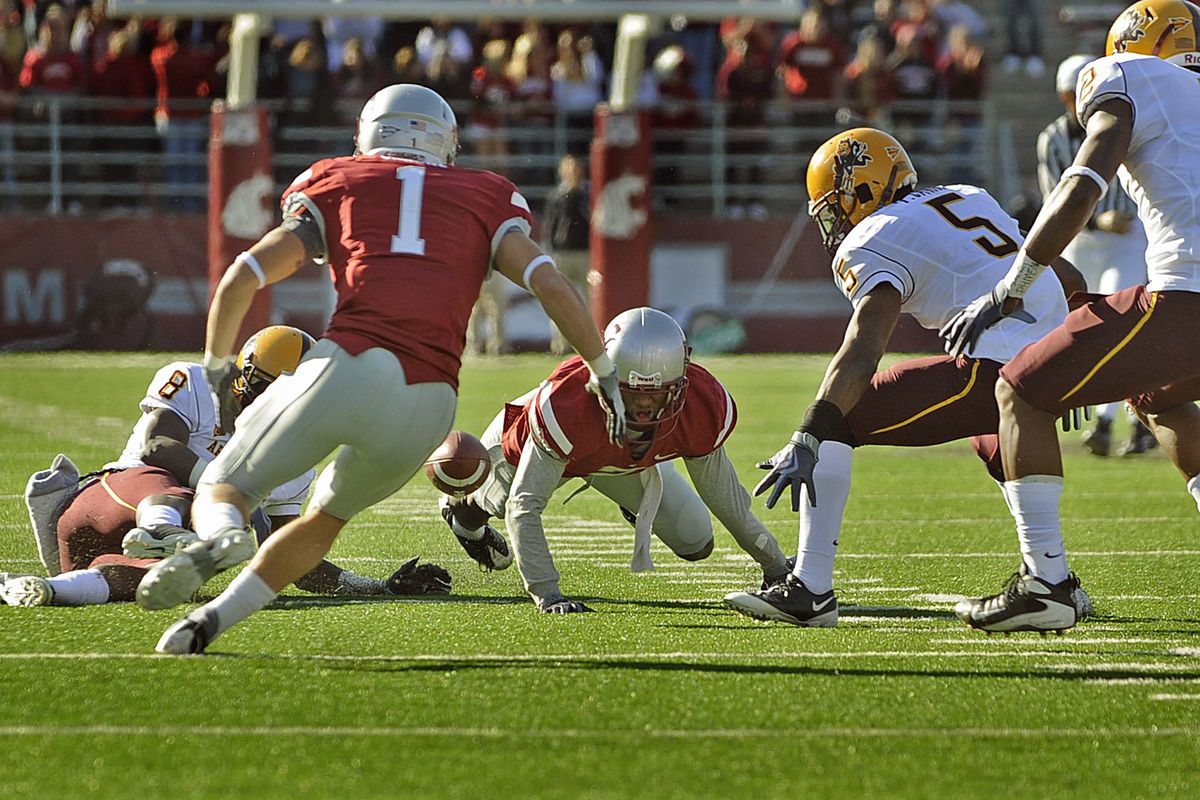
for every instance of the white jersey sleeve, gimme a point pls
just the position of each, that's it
(860, 268)
(178, 387)
(1111, 77)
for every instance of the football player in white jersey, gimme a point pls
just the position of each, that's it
(896, 250)
(94, 560)
(1140, 107)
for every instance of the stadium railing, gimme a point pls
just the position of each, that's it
(105, 155)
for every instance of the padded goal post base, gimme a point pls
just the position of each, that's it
(241, 197)
(621, 231)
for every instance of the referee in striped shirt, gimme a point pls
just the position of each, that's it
(1110, 251)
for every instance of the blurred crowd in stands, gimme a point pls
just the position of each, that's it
(840, 63)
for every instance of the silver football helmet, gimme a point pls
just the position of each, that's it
(651, 355)
(408, 120)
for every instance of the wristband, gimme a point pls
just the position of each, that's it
(1086, 172)
(536, 262)
(1021, 275)
(825, 421)
(214, 363)
(197, 471)
(252, 262)
(601, 365)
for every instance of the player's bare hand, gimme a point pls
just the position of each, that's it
(792, 466)
(220, 374)
(963, 330)
(608, 391)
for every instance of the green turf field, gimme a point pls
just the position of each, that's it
(663, 693)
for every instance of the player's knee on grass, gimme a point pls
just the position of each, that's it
(699, 555)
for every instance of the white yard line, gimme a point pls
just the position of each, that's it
(1194, 697)
(597, 733)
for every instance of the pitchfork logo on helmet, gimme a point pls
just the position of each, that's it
(1166, 29)
(273, 351)
(851, 176)
(651, 356)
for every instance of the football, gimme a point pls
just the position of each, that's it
(459, 466)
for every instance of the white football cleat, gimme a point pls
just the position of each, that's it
(27, 591)
(176, 579)
(157, 541)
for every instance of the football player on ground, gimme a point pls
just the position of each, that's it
(674, 410)
(1140, 106)
(896, 249)
(116, 525)
(409, 239)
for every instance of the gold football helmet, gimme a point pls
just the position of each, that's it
(1167, 29)
(265, 356)
(852, 175)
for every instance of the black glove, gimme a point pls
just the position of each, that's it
(565, 606)
(964, 328)
(220, 377)
(414, 579)
(608, 391)
(792, 466)
(1074, 419)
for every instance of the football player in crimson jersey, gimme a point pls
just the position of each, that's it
(408, 238)
(119, 521)
(674, 409)
(896, 249)
(1140, 108)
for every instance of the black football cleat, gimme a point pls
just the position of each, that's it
(1027, 603)
(488, 550)
(788, 601)
(1141, 440)
(190, 636)
(1098, 440)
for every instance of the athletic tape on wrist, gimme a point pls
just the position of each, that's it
(1086, 172)
(601, 365)
(1021, 275)
(252, 262)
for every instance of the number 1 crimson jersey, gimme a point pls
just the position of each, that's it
(568, 422)
(408, 246)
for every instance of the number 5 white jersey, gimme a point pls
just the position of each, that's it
(1161, 171)
(180, 387)
(941, 248)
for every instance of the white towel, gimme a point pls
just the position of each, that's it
(652, 484)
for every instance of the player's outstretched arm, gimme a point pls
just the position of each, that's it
(1067, 210)
(846, 378)
(521, 260)
(277, 255)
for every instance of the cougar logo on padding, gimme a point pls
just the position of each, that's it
(614, 216)
(245, 215)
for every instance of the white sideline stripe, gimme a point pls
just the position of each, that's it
(1186, 651)
(594, 733)
(1013, 555)
(501, 658)
(1194, 696)
(1142, 681)
(1131, 666)
(972, 637)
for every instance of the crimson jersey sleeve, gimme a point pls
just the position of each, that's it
(408, 246)
(708, 417)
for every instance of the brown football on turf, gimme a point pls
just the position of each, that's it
(459, 466)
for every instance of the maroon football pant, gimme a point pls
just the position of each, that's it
(932, 400)
(90, 530)
(1134, 345)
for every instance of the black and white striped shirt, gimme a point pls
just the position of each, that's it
(1056, 149)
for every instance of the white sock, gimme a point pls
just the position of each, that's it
(1106, 411)
(80, 587)
(162, 514)
(821, 526)
(1034, 501)
(246, 594)
(214, 518)
(1193, 487)
(1004, 494)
